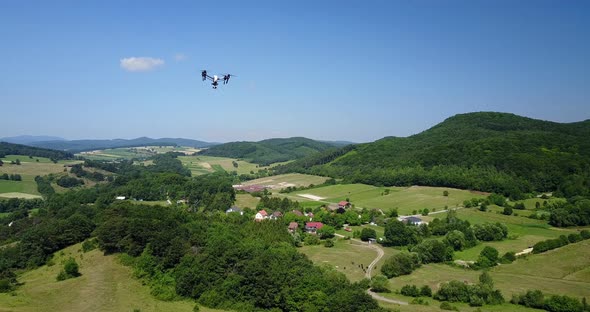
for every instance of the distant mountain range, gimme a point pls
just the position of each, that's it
(76, 146)
(28, 139)
(271, 151)
(486, 151)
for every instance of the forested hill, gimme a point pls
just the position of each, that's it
(88, 145)
(17, 149)
(269, 151)
(485, 151)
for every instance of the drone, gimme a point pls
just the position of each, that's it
(215, 78)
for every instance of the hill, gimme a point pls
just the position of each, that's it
(486, 151)
(27, 139)
(76, 146)
(18, 149)
(269, 151)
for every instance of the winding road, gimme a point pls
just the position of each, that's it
(380, 254)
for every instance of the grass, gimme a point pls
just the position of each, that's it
(246, 201)
(405, 199)
(522, 232)
(562, 271)
(134, 152)
(207, 164)
(105, 285)
(28, 170)
(345, 256)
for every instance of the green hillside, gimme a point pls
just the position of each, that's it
(486, 151)
(18, 149)
(269, 151)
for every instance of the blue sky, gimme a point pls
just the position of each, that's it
(333, 70)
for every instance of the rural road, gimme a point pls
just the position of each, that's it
(380, 254)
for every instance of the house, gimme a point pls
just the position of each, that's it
(297, 213)
(120, 197)
(261, 215)
(236, 210)
(411, 220)
(313, 227)
(293, 226)
(343, 204)
(275, 215)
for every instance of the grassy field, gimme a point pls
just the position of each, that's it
(28, 169)
(105, 285)
(562, 271)
(345, 256)
(246, 201)
(134, 152)
(207, 164)
(405, 199)
(522, 232)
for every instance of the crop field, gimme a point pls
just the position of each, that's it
(28, 169)
(199, 164)
(405, 199)
(290, 179)
(134, 152)
(105, 285)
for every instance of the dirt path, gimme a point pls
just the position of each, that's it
(380, 254)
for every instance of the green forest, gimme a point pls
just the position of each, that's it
(494, 152)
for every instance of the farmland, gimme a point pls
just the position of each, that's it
(285, 180)
(134, 152)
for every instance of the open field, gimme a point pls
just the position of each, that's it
(246, 201)
(522, 232)
(562, 271)
(28, 169)
(346, 256)
(290, 179)
(405, 199)
(105, 285)
(134, 152)
(199, 164)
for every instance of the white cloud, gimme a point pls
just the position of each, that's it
(139, 64)
(180, 57)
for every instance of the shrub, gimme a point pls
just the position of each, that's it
(426, 291)
(400, 264)
(329, 243)
(488, 257)
(410, 290)
(447, 306)
(70, 270)
(380, 283)
(368, 233)
(508, 257)
(311, 240)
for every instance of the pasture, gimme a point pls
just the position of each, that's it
(404, 199)
(346, 256)
(522, 232)
(105, 285)
(246, 201)
(562, 271)
(134, 152)
(28, 169)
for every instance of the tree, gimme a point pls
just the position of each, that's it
(326, 231)
(368, 233)
(507, 210)
(17, 161)
(400, 264)
(70, 270)
(380, 283)
(398, 233)
(456, 239)
(488, 257)
(445, 193)
(426, 291)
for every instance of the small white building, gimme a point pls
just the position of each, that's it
(120, 197)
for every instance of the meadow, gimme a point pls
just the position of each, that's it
(28, 169)
(404, 199)
(105, 285)
(290, 179)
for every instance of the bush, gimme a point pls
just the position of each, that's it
(508, 257)
(311, 240)
(507, 210)
(488, 257)
(326, 231)
(368, 233)
(70, 270)
(426, 291)
(410, 291)
(380, 283)
(329, 243)
(447, 306)
(400, 264)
